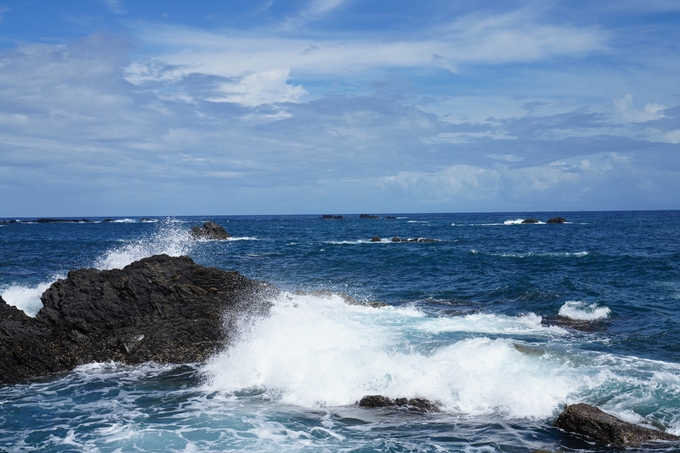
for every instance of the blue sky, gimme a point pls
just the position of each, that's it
(109, 107)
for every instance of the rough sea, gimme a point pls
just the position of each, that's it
(501, 323)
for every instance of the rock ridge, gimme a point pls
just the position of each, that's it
(162, 309)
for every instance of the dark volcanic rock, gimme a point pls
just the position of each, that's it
(209, 230)
(396, 239)
(162, 309)
(600, 427)
(368, 216)
(413, 404)
(557, 220)
(331, 217)
(529, 221)
(375, 239)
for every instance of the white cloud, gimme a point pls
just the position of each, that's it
(656, 135)
(629, 113)
(264, 87)
(179, 52)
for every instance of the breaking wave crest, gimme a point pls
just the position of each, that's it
(580, 311)
(169, 238)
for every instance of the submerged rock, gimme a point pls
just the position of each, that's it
(161, 309)
(209, 230)
(600, 427)
(331, 217)
(412, 404)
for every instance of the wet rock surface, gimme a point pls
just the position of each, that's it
(412, 404)
(602, 428)
(209, 230)
(163, 309)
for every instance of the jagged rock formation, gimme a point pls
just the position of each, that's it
(412, 404)
(600, 427)
(162, 309)
(209, 230)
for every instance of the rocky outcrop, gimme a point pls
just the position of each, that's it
(376, 239)
(163, 309)
(600, 427)
(209, 230)
(557, 220)
(412, 404)
(529, 220)
(368, 216)
(331, 217)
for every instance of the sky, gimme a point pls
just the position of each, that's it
(162, 108)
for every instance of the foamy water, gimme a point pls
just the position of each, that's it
(580, 311)
(26, 298)
(169, 238)
(319, 351)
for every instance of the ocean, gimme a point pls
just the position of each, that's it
(501, 323)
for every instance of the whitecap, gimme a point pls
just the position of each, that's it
(319, 351)
(580, 311)
(27, 298)
(169, 239)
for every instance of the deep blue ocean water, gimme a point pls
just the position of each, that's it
(502, 323)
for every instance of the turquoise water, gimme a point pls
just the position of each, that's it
(502, 323)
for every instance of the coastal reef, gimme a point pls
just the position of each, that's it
(209, 230)
(605, 429)
(163, 309)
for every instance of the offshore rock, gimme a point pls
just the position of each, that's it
(376, 239)
(368, 216)
(530, 220)
(412, 404)
(209, 230)
(600, 427)
(161, 309)
(557, 220)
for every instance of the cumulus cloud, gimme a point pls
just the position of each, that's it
(628, 112)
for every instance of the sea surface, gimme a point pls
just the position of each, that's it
(501, 323)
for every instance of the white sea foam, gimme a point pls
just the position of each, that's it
(529, 324)
(315, 351)
(26, 298)
(169, 239)
(580, 311)
(125, 221)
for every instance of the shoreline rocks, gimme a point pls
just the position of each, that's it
(162, 309)
(209, 230)
(411, 404)
(602, 428)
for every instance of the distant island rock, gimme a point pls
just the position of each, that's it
(368, 216)
(557, 220)
(209, 230)
(162, 309)
(529, 220)
(602, 428)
